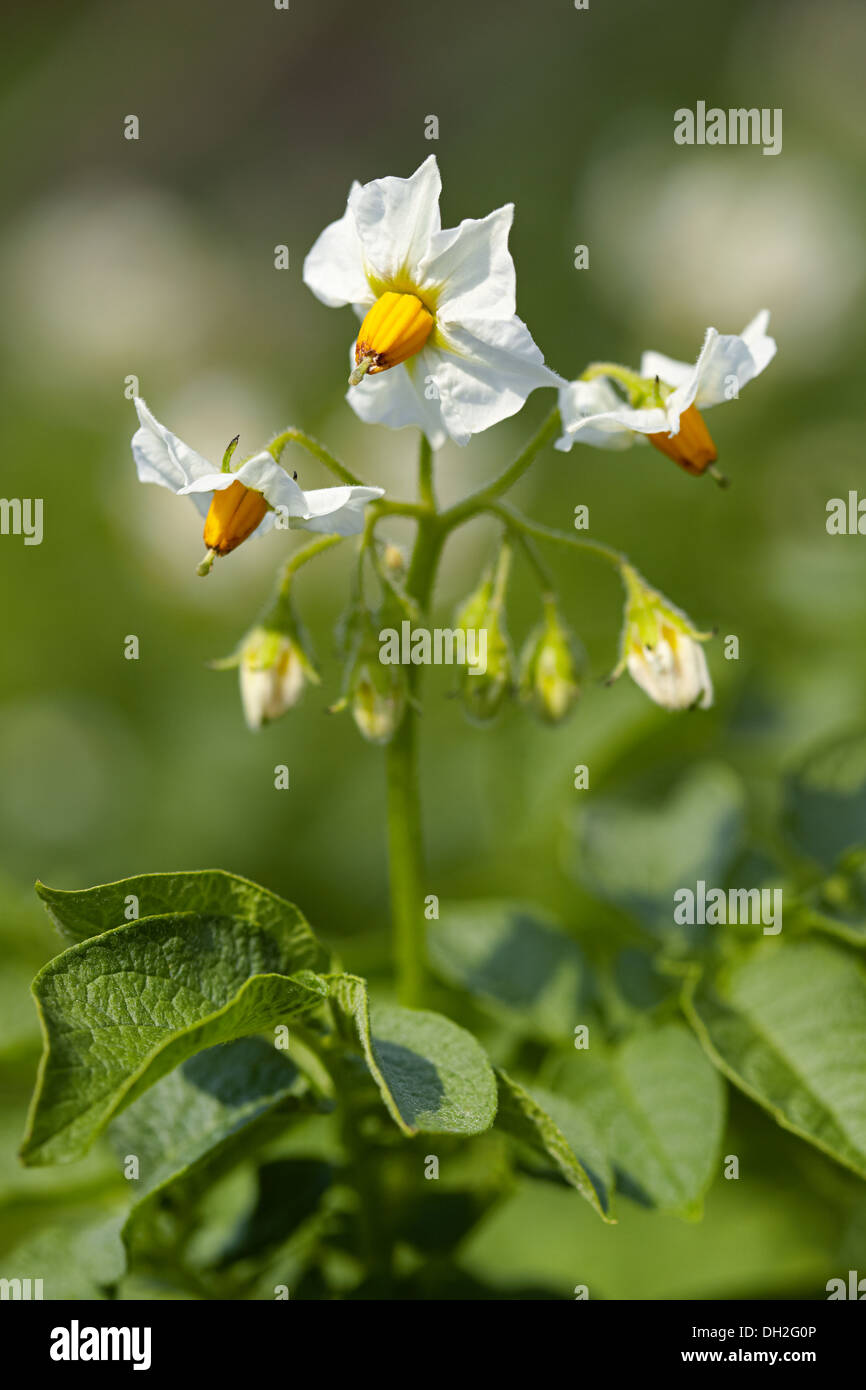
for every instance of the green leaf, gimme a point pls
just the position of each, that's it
(824, 800)
(81, 1260)
(513, 958)
(121, 1010)
(202, 1117)
(432, 1075)
(658, 1108)
(787, 1024)
(289, 1192)
(558, 1129)
(636, 856)
(87, 912)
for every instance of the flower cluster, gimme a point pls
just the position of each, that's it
(440, 347)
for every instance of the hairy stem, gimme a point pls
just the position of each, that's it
(312, 446)
(535, 529)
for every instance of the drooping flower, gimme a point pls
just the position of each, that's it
(237, 504)
(550, 668)
(661, 648)
(440, 345)
(665, 398)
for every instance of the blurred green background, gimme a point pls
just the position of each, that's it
(156, 258)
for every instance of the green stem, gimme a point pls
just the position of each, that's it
(405, 835)
(548, 533)
(361, 1171)
(425, 475)
(536, 563)
(640, 388)
(306, 441)
(302, 557)
(480, 500)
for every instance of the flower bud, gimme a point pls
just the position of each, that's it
(661, 649)
(273, 670)
(378, 699)
(549, 668)
(486, 680)
(394, 561)
(375, 692)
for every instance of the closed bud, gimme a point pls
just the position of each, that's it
(375, 692)
(274, 670)
(377, 699)
(550, 668)
(394, 560)
(273, 664)
(486, 680)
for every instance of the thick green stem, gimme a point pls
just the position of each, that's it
(406, 858)
(405, 833)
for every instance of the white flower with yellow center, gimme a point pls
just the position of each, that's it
(248, 501)
(661, 649)
(666, 397)
(440, 344)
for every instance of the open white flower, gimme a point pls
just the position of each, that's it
(665, 397)
(661, 649)
(248, 501)
(440, 345)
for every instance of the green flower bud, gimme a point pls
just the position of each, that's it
(376, 693)
(486, 680)
(378, 699)
(550, 668)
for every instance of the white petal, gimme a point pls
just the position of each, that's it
(161, 457)
(727, 361)
(484, 372)
(334, 268)
(256, 692)
(398, 398)
(334, 510)
(396, 220)
(667, 369)
(470, 270)
(338, 511)
(675, 677)
(593, 413)
(261, 473)
(757, 340)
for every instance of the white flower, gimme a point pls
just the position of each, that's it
(661, 649)
(665, 397)
(440, 346)
(247, 501)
